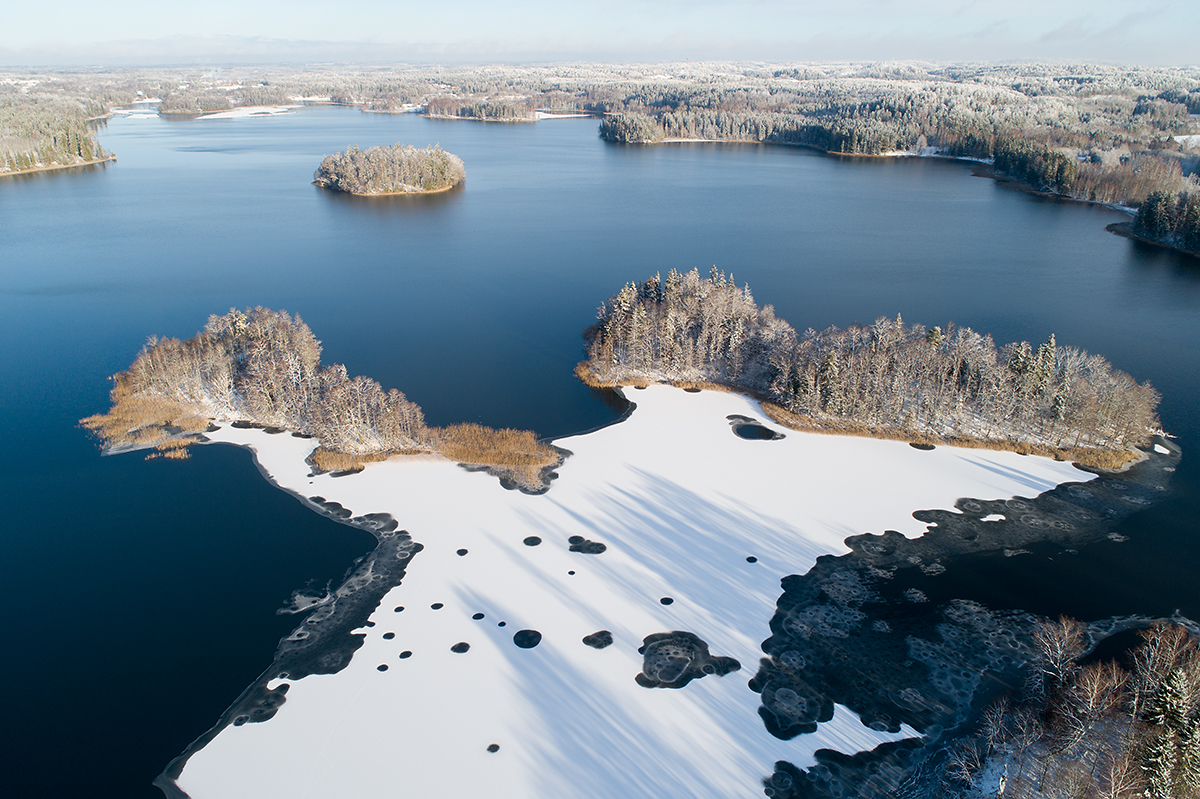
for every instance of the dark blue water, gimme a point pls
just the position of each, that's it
(143, 593)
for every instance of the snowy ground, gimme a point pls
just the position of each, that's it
(251, 111)
(680, 502)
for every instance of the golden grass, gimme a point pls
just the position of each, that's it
(140, 422)
(584, 372)
(474, 443)
(326, 460)
(1084, 456)
(192, 424)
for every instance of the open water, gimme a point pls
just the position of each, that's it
(142, 595)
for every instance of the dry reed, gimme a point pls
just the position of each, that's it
(326, 460)
(476, 444)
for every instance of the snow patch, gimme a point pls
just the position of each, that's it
(681, 503)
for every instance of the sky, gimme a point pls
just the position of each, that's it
(154, 32)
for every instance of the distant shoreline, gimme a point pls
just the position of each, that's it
(1125, 229)
(55, 167)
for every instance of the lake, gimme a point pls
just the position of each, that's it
(144, 592)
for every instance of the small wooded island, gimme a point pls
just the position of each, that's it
(399, 169)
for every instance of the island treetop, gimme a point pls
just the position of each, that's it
(399, 169)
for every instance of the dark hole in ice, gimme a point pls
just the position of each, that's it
(407, 653)
(398, 608)
(460, 647)
(922, 447)
(598, 640)
(388, 636)
(501, 624)
(477, 616)
(461, 552)
(527, 639)
(382, 667)
(582, 545)
(755, 432)
(672, 660)
(437, 606)
(751, 559)
(493, 747)
(532, 541)
(571, 572)
(667, 600)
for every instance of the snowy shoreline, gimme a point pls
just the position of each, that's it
(681, 503)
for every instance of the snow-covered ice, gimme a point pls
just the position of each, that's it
(680, 502)
(251, 111)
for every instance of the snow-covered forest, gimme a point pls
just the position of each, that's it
(1096, 132)
(263, 367)
(1171, 219)
(399, 169)
(943, 383)
(1106, 729)
(46, 131)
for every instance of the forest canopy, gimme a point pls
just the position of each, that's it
(925, 383)
(51, 132)
(399, 169)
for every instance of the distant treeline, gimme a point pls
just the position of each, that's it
(1093, 132)
(263, 367)
(50, 133)
(398, 169)
(1125, 178)
(499, 110)
(1170, 219)
(887, 376)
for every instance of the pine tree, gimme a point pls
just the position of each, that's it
(1158, 766)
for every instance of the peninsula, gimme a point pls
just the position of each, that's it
(261, 368)
(886, 380)
(400, 169)
(526, 640)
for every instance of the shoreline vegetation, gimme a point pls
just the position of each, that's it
(55, 167)
(262, 368)
(1082, 726)
(399, 169)
(1107, 134)
(887, 380)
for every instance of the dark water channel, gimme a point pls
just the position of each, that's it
(143, 593)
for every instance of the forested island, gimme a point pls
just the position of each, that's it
(262, 367)
(888, 379)
(399, 169)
